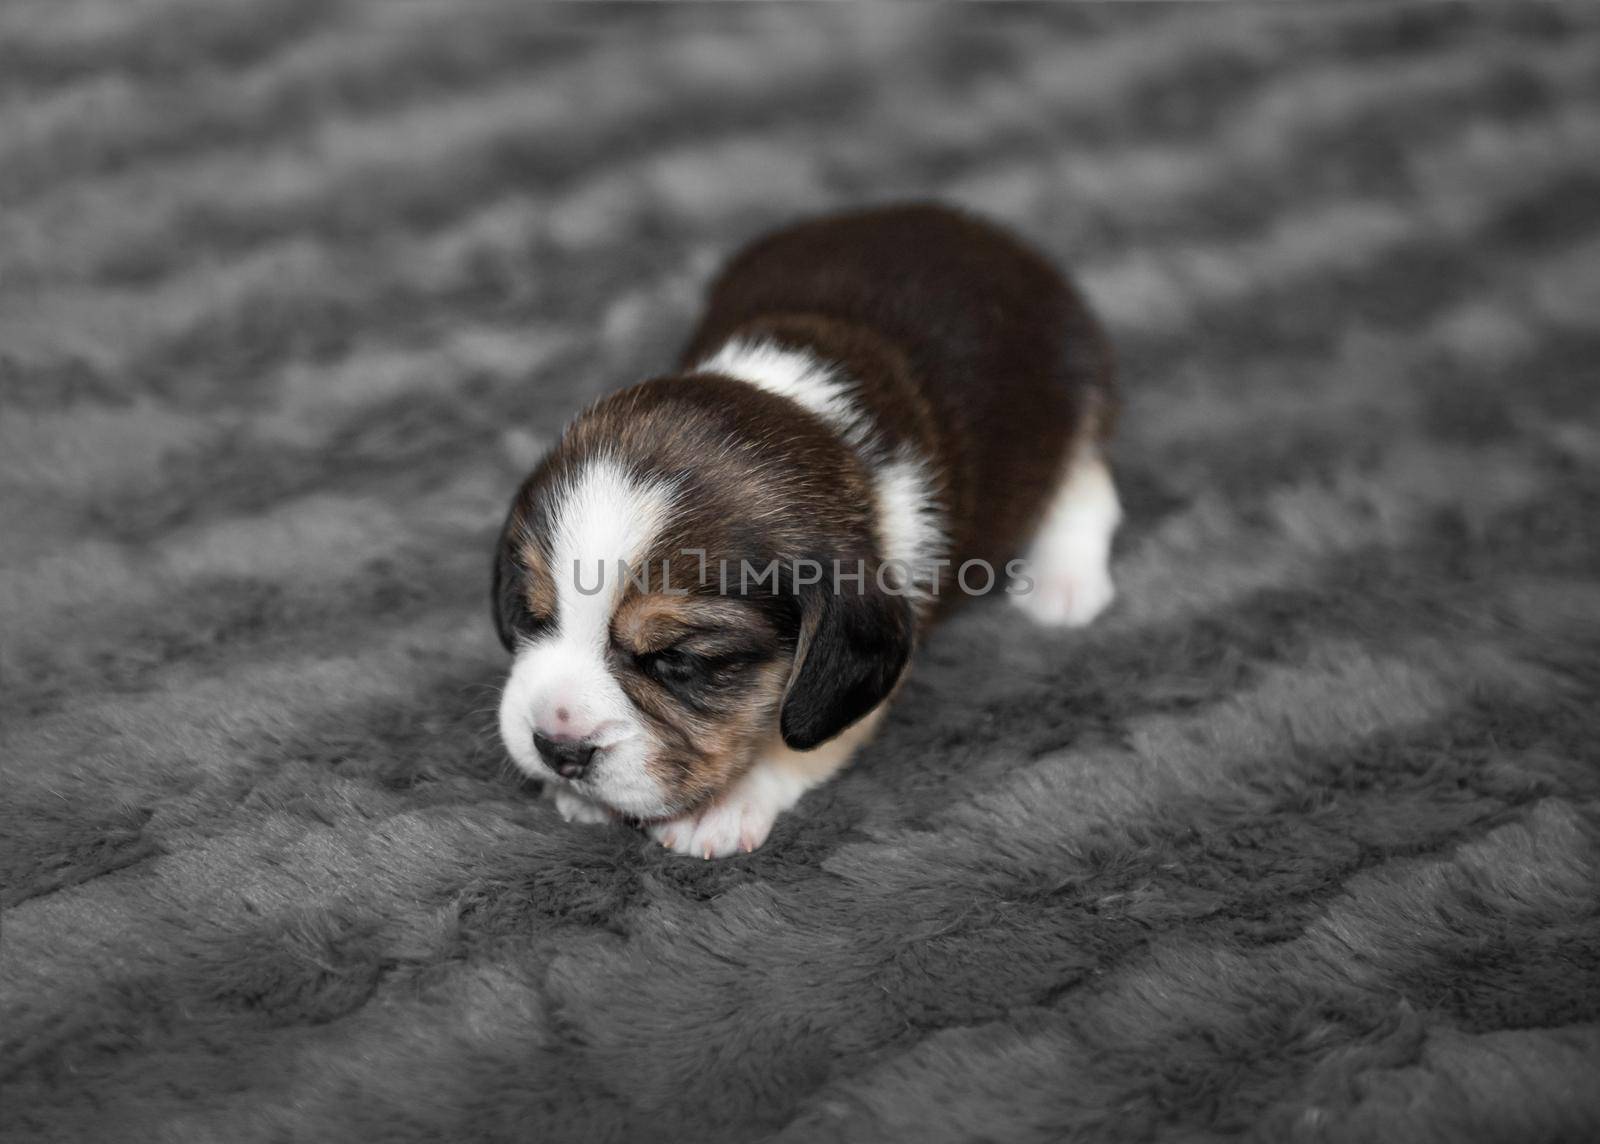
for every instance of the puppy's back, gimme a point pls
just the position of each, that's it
(1008, 358)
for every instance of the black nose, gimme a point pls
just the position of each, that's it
(569, 758)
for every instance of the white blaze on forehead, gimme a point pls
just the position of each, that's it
(803, 378)
(603, 515)
(561, 681)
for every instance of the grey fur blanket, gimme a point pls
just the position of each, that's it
(1302, 841)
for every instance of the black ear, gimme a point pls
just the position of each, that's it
(505, 594)
(852, 649)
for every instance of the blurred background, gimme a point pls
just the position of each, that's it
(368, 237)
(293, 291)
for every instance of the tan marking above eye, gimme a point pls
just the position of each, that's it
(539, 590)
(655, 622)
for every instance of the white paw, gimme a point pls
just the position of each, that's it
(737, 823)
(576, 808)
(1067, 598)
(1070, 563)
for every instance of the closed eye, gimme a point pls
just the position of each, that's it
(670, 665)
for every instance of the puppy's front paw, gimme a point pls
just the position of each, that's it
(736, 823)
(1068, 596)
(576, 808)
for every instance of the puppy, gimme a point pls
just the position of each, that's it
(713, 582)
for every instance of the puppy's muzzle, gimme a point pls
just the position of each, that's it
(569, 758)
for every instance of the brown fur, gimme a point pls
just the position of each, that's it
(700, 755)
(539, 585)
(702, 750)
(650, 621)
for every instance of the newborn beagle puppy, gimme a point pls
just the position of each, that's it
(713, 582)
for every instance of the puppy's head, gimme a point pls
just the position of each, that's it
(647, 676)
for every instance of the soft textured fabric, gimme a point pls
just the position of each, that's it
(1300, 841)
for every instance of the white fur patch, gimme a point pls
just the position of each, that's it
(910, 520)
(803, 378)
(604, 516)
(560, 682)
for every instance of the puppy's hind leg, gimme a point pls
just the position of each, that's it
(1070, 560)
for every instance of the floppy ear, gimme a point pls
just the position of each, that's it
(852, 650)
(503, 594)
